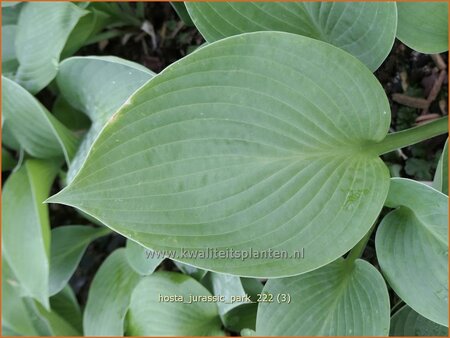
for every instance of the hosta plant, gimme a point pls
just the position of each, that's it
(247, 177)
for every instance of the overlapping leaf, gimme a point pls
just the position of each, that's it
(10, 14)
(236, 311)
(190, 270)
(365, 29)
(423, 26)
(227, 286)
(9, 58)
(37, 131)
(68, 246)
(15, 316)
(140, 259)
(66, 305)
(339, 299)
(440, 181)
(43, 29)
(149, 316)
(412, 247)
(97, 86)
(109, 297)
(407, 322)
(26, 228)
(87, 27)
(257, 141)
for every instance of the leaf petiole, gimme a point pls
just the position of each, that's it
(359, 248)
(411, 136)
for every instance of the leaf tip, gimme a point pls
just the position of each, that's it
(57, 198)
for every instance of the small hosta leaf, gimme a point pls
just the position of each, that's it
(15, 316)
(87, 26)
(65, 304)
(9, 58)
(42, 32)
(109, 296)
(68, 246)
(228, 286)
(190, 270)
(407, 322)
(140, 258)
(26, 227)
(150, 316)
(365, 29)
(97, 86)
(257, 141)
(412, 247)
(38, 132)
(423, 26)
(440, 181)
(335, 300)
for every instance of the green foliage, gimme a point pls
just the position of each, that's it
(42, 32)
(25, 221)
(227, 159)
(440, 181)
(407, 322)
(39, 133)
(365, 29)
(266, 139)
(331, 294)
(109, 296)
(68, 246)
(171, 318)
(412, 238)
(423, 26)
(140, 260)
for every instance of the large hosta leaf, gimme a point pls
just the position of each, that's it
(423, 26)
(26, 228)
(407, 322)
(365, 29)
(97, 86)
(340, 299)
(150, 316)
(109, 297)
(39, 133)
(412, 247)
(259, 141)
(43, 29)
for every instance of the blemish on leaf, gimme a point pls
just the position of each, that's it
(353, 195)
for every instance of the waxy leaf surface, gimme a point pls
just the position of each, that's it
(412, 247)
(42, 32)
(68, 246)
(365, 29)
(109, 297)
(140, 258)
(97, 86)
(37, 131)
(423, 26)
(255, 142)
(26, 226)
(407, 322)
(335, 300)
(150, 316)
